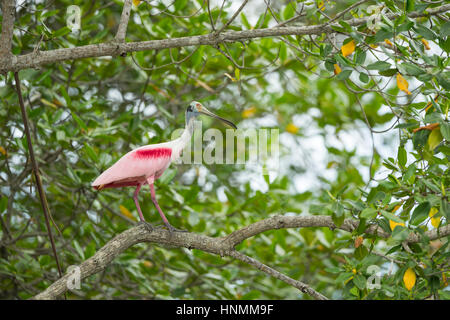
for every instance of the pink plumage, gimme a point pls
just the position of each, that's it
(135, 168)
(146, 164)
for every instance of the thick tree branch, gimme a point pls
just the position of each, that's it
(8, 11)
(223, 246)
(39, 58)
(123, 24)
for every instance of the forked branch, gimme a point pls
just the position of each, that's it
(223, 246)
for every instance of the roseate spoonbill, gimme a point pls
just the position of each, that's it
(145, 164)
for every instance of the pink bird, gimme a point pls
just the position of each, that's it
(145, 164)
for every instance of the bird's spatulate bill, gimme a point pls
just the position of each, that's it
(209, 113)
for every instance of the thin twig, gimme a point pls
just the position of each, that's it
(233, 17)
(37, 176)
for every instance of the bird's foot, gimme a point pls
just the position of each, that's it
(173, 229)
(147, 225)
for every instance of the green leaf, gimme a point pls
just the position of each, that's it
(444, 81)
(410, 5)
(425, 32)
(388, 73)
(343, 277)
(445, 208)
(252, 295)
(90, 152)
(434, 139)
(420, 139)
(445, 30)
(420, 213)
(168, 176)
(390, 216)
(78, 249)
(410, 69)
(344, 74)
(400, 233)
(359, 281)
(60, 135)
(61, 32)
(3, 204)
(44, 260)
(379, 65)
(243, 19)
(364, 77)
(402, 157)
(445, 130)
(338, 215)
(80, 122)
(369, 213)
(361, 252)
(359, 57)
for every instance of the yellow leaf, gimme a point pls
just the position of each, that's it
(358, 241)
(388, 42)
(374, 46)
(230, 77)
(348, 48)
(337, 69)
(396, 207)
(147, 264)
(434, 138)
(126, 212)
(409, 279)
(321, 5)
(444, 279)
(3, 151)
(393, 224)
(402, 83)
(248, 113)
(136, 2)
(354, 271)
(435, 221)
(432, 212)
(425, 44)
(332, 164)
(57, 102)
(430, 104)
(205, 86)
(292, 128)
(48, 103)
(237, 73)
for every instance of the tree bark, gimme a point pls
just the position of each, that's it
(223, 246)
(39, 58)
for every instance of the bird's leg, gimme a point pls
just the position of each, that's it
(141, 216)
(166, 222)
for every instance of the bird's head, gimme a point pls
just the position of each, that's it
(196, 108)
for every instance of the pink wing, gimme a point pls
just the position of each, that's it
(135, 167)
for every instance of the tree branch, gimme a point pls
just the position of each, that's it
(234, 16)
(8, 11)
(223, 246)
(32, 60)
(123, 24)
(276, 274)
(40, 188)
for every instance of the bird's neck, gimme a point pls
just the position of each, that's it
(184, 139)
